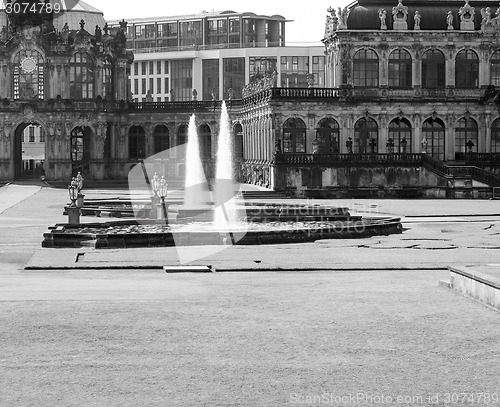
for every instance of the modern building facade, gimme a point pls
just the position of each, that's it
(213, 55)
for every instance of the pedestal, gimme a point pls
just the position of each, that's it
(80, 201)
(162, 211)
(153, 213)
(73, 215)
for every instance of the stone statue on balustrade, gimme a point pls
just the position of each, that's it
(332, 22)
(382, 14)
(449, 21)
(466, 14)
(400, 16)
(488, 24)
(416, 19)
(343, 13)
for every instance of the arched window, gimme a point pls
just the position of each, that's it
(136, 143)
(80, 149)
(466, 69)
(238, 144)
(205, 142)
(433, 70)
(28, 77)
(161, 139)
(400, 132)
(294, 136)
(365, 136)
(81, 76)
(182, 134)
(108, 79)
(495, 136)
(495, 69)
(400, 71)
(466, 132)
(328, 134)
(433, 138)
(365, 72)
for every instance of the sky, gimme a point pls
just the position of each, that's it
(308, 25)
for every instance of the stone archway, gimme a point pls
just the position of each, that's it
(30, 150)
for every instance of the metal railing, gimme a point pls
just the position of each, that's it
(347, 159)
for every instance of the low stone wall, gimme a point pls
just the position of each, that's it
(480, 286)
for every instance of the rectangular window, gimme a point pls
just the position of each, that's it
(31, 134)
(262, 65)
(151, 67)
(143, 66)
(294, 72)
(158, 85)
(233, 76)
(166, 68)
(151, 85)
(191, 34)
(136, 68)
(143, 89)
(167, 85)
(136, 86)
(319, 71)
(210, 68)
(158, 67)
(182, 80)
(149, 31)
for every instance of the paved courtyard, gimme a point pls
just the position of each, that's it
(357, 322)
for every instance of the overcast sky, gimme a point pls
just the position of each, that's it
(309, 16)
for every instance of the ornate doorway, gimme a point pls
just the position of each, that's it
(29, 151)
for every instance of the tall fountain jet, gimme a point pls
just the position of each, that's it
(224, 200)
(196, 192)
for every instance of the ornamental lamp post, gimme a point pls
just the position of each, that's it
(155, 182)
(73, 210)
(161, 208)
(80, 196)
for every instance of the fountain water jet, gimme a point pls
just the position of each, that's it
(225, 211)
(196, 192)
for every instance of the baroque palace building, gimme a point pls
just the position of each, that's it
(400, 101)
(410, 107)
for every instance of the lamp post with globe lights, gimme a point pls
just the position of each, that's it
(80, 196)
(73, 210)
(162, 208)
(155, 182)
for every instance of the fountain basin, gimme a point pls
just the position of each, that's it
(124, 234)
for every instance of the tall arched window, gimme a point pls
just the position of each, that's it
(81, 76)
(294, 136)
(327, 133)
(136, 143)
(433, 134)
(108, 79)
(466, 132)
(365, 136)
(28, 77)
(466, 69)
(205, 141)
(495, 69)
(182, 134)
(161, 139)
(238, 143)
(80, 149)
(433, 70)
(495, 136)
(400, 71)
(400, 131)
(365, 73)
